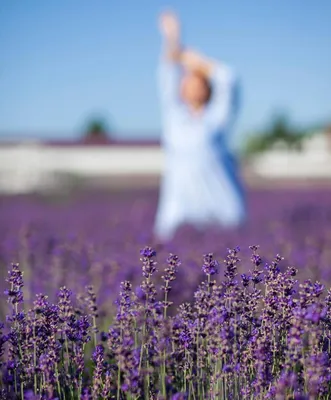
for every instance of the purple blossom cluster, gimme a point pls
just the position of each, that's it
(92, 239)
(265, 335)
(202, 326)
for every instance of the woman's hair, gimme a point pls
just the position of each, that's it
(207, 83)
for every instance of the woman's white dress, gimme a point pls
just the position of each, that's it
(200, 185)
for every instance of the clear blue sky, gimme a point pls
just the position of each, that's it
(65, 60)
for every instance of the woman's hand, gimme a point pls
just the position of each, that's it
(170, 27)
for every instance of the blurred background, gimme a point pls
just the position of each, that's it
(79, 98)
(80, 127)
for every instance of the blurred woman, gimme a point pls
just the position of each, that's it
(199, 101)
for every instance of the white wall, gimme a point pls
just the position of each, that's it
(28, 166)
(314, 161)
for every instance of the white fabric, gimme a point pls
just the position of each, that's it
(200, 184)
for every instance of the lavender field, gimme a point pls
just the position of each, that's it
(239, 321)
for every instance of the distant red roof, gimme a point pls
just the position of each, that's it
(82, 142)
(102, 142)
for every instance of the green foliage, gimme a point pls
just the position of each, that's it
(279, 131)
(96, 129)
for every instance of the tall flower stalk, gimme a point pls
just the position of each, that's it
(262, 334)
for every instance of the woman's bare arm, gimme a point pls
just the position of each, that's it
(192, 60)
(173, 49)
(170, 30)
(222, 78)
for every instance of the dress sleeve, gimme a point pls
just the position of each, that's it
(224, 103)
(169, 75)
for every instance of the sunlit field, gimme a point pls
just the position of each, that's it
(212, 315)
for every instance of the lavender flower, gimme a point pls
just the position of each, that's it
(170, 271)
(210, 266)
(98, 358)
(149, 264)
(231, 262)
(92, 301)
(180, 396)
(3, 340)
(15, 294)
(245, 279)
(169, 276)
(65, 307)
(264, 336)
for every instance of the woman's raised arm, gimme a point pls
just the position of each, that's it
(169, 71)
(224, 102)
